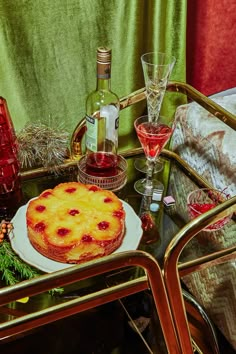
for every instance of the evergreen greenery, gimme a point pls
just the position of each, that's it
(13, 269)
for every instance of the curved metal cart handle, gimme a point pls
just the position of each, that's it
(171, 270)
(153, 280)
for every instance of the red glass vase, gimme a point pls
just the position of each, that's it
(10, 182)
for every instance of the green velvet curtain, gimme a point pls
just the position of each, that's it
(48, 53)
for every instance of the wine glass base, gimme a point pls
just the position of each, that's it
(140, 163)
(141, 188)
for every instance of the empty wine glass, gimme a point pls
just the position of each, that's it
(153, 136)
(157, 68)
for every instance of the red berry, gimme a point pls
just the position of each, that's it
(63, 231)
(107, 200)
(70, 190)
(93, 188)
(40, 208)
(87, 238)
(73, 212)
(40, 227)
(118, 213)
(46, 194)
(103, 225)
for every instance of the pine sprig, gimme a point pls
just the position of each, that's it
(13, 269)
(8, 276)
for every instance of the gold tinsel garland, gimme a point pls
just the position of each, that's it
(42, 145)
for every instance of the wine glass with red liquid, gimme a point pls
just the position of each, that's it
(153, 136)
(157, 68)
(202, 200)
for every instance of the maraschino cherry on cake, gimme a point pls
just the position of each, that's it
(74, 223)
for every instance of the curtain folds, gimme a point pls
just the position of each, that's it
(211, 48)
(48, 53)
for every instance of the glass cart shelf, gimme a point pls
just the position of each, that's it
(113, 279)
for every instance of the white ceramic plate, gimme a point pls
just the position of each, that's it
(22, 246)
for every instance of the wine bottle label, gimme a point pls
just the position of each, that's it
(102, 130)
(103, 71)
(95, 133)
(110, 112)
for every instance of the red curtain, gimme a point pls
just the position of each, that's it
(211, 45)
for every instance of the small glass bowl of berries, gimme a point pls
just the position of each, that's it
(202, 200)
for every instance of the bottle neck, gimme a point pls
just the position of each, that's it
(103, 76)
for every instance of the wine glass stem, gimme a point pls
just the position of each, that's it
(150, 168)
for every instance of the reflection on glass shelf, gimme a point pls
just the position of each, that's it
(142, 323)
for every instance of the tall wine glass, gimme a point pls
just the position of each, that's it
(153, 136)
(157, 68)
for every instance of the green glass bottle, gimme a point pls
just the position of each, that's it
(102, 121)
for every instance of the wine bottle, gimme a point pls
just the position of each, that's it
(102, 121)
(10, 183)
